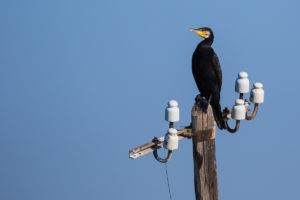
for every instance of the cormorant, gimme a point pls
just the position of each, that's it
(208, 74)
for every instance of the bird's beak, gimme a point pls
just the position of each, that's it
(198, 32)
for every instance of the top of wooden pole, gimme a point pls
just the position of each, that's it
(203, 124)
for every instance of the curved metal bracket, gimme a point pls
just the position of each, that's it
(253, 113)
(156, 156)
(236, 128)
(226, 113)
(162, 160)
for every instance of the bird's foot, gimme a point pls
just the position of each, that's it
(202, 102)
(198, 98)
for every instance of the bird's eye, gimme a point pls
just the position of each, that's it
(206, 34)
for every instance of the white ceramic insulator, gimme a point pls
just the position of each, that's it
(257, 93)
(242, 83)
(238, 110)
(171, 140)
(172, 111)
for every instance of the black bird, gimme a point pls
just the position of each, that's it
(208, 74)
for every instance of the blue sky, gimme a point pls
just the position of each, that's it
(82, 82)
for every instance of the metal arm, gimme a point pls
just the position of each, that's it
(162, 160)
(236, 128)
(155, 154)
(254, 112)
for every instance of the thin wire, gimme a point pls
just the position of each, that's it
(168, 181)
(166, 167)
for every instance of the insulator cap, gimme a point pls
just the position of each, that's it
(172, 111)
(242, 83)
(171, 140)
(238, 110)
(172, 131)
(257, 93)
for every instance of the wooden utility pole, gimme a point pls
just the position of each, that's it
(205, 170)
(202, 130)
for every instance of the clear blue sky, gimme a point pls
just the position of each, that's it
(82, 82)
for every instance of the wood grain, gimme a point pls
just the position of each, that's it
(205, 169)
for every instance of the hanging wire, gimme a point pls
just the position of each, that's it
(166, 167)
(167, 175)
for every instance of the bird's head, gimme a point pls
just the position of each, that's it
(204, 32)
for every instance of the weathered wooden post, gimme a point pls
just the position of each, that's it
(205, 170)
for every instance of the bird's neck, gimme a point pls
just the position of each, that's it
(207, 42)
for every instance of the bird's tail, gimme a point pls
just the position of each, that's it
(220, 120)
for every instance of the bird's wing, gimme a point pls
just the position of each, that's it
(217, 69)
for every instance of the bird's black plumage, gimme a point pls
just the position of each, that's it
(208, 74)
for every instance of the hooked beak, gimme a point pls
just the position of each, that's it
(198, 32)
